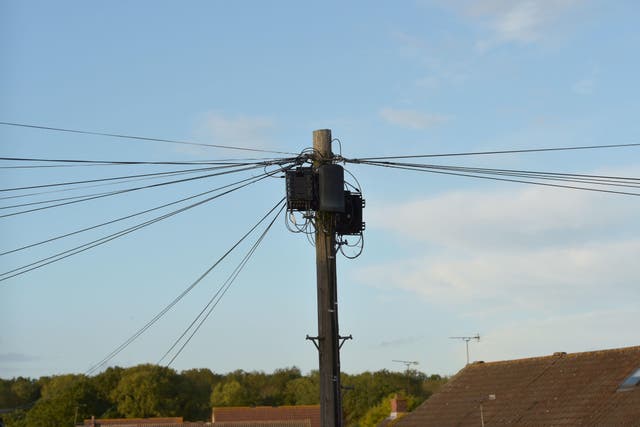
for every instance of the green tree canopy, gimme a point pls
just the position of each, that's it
(65, 399)
(156, 391)
(148, 391)
(230, 393)
(196, 387)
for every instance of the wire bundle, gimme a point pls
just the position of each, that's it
(598, 183)
(37, 197)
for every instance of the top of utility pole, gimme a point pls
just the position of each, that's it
(322, 146)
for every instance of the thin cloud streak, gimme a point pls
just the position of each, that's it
(505, 219)
(531, 248)
(412, 119)
(235, 129)
(566, 332)
(16, 358)
(514, 21)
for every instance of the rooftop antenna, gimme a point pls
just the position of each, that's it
(408, 364)
(466, 340)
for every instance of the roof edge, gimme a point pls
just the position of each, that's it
(556, 355)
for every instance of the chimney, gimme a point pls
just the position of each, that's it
(398, 406)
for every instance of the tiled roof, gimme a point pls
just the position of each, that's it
(134, 422)
(304, 413)
(147, 424)
(559, 390)
(289, 423)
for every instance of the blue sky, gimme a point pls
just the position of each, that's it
(534, 270)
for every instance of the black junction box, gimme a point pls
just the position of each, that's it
(350, 222)
(301, 189)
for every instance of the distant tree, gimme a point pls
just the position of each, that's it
(368, 389)
(148, 391)
(14, 394)
(257, 388)
(230, 393)
(6, 395)
(304, 390)
(275, 390)
(104, 383)
(196, 386)
(25, 390)
(65, 399)
(376, 414)
(15, 418)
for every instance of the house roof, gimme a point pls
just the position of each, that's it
(288, 423)
(562, 389)
(301, 415)
(134, 422)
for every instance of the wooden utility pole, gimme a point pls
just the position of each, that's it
(328, 335)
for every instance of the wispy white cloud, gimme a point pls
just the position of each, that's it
(410, 45)
(16, 358)
(520, 21)
(412, 119)
(400, 341)
(541, 279)
(591, 330)
(446, 61)
(535, 249)
(505, 219)
(236, 128)
(587, 84)
(429, 82)
(514, 21)
(225, 129)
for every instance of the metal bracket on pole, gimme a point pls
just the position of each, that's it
(314, 340)
(343, 339)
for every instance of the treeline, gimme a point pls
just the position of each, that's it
(156, 391)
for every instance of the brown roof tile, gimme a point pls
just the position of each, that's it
(268, 413)
(563, 389)
(133, 421)
(289, 423)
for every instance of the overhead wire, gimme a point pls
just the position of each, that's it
(561, 175)
(342, 240)
(101, 195)
(480, 153)
(180, 296)
(93, 227)
(105, 239)
(125, 177)
(125, 180)
(462, 172)
(85, 162)
(359, 244)
(218, 295)
(140, 138)
(615, 181)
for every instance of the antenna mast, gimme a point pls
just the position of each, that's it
(466, 340)
(408, 364)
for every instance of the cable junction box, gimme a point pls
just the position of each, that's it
(350, 221)
(301, 189)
